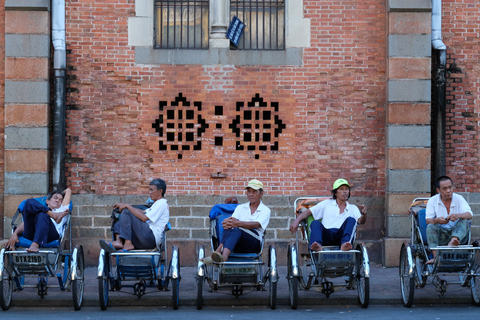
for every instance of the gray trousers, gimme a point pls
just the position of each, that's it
(439, 236)
(131, 228)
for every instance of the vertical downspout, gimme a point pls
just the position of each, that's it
(439, 84)
(59, 114)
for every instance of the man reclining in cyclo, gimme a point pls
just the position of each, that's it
(447, 216)
(338, 217)
(42, 224)
(141, 229)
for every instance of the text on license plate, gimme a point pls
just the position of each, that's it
(455, 255)
(30, 258)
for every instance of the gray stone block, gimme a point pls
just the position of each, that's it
(278, 223)
(409, 90)
(191, 223)
(409, 45)
(194, 200)
(408, 136)
(215, 56)
(399, 226)
(475, 209)
(26, 183)
(105, 200)
(183, 211)
(27, 45)
(412, 181)
(275, 201)
(134, 199)
(27, 91)
(410, 5)
(473, 197)
(82, 199)
(27, 5)
(26, 138)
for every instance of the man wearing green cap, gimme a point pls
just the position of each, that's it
(244, 229)
(338, 219)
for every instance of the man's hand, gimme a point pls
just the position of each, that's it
(120, 206)
(452, 217)
(294, 226)
(58, 216)
(11, 242)
(442, 220)
(363, 209)
(230, 222)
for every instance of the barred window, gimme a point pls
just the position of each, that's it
(264, 23)
(181, 24)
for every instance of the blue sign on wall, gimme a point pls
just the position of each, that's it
(235, 30)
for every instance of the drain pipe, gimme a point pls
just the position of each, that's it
(59, 114)
(439, 114)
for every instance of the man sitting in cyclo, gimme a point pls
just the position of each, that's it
(339, 219)
(141, 229)
(447, 216)
(42, 224)
(245, 228)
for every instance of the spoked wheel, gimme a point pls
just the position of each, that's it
(475, 286)
(200, 278)
(272, 296)
(103, 281)
(175, 269)
(199, 292)
(77, 284)
(292, 280)
(272, 278)
(407, 279)
(363, 276)
(419, 266)
(6, 284)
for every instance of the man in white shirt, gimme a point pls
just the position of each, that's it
(141, 229)
(43, 224)
(338, 219)
(447, 216)
(245, 228)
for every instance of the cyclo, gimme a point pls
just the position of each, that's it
(241, 271)
(352, 267)
(147, 268)
(20, 269)
(452, 265)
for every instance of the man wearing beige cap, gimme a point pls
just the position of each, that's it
(244, 229)
(338, 219)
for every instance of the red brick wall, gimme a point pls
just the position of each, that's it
(333, 107)
(460, 34)
(2, 106)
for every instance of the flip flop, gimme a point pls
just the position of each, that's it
(107, 246)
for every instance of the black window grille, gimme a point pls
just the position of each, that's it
(264, 23)
(181, 24)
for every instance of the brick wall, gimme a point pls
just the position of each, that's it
(460, 34)
(2, 105)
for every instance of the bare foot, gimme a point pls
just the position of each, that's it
(34, 247)
(346, 246)
(316, 247)
(117, 245)
(430, 261)
(454, 242)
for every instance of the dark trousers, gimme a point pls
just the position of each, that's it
(131, 228)
(334, 236)
(239, 241)
(38, 226)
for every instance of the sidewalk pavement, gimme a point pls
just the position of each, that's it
(384, 290)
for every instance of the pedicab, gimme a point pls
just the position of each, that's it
(58, 259)
(242, 272)
(141, 270)
(452, 265)
(330, 269)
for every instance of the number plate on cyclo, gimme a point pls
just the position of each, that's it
(455, 255)
(31, 258)
(336, 257)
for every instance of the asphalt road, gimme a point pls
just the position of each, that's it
(377, 312)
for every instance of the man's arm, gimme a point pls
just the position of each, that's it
(14, 238)
(140, 214)
(300, 217)
(67, 197)
(232, 222)
(456, 216)
(363, 214)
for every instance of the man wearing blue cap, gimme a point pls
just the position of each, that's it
(338, 219)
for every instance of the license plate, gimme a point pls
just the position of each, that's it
(336, 257)
(31, 258)
(239, 270)
(455, 255)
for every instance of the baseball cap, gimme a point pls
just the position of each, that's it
(254, 184)
(340, 182)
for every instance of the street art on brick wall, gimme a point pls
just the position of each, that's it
(256, 125)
